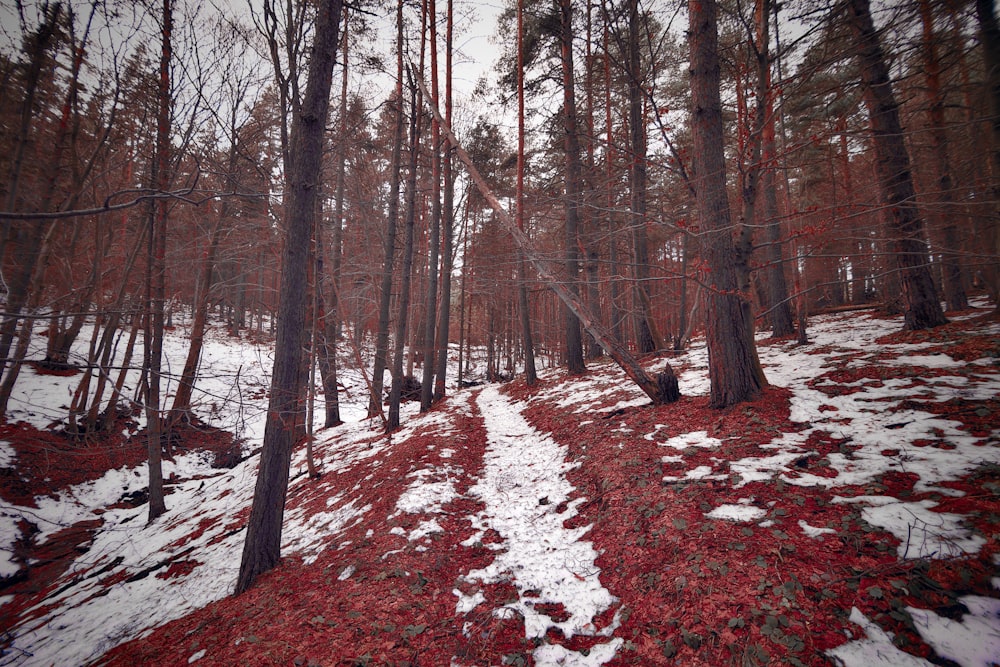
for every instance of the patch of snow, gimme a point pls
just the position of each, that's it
(877, 650)
(973, 641)
(424, 529)
(692, 439)
(545, 561)
(923, 533)
(467, 603)
(814, 531)
(195, 657)
(554, 655)
(737, 513)
(7, 454)
(346, 574)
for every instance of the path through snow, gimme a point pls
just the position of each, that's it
(526, 493)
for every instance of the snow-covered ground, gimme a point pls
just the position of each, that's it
(546, 562)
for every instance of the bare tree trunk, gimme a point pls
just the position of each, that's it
(923, 310)
(989, 34)
(574, 338)
(156, 273)
(262, 548)
(389, 245)
(410, 214)
(954, 290)
(647, 337)
(530, 373)
(734, 371)
(777, 287)
(430, 313)
(448, 224)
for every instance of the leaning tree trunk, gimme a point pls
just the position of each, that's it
(922, 307)
(661, 389)
(734, 372)
(262, 548)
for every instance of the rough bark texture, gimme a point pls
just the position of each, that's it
(262, 548)
(777, 287)
(389, 243)
(906, 229)
(574, 337)
(954, 289)
(733, 369)
(157, 272)
(989, 35)
(530, 373)
(647, 338)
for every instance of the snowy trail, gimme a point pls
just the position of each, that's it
(523, 485)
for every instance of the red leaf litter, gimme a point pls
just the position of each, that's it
(690, 590)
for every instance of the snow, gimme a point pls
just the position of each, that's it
(545, 561)
(737, 513)
(815, 531)
(922, 533)
(7, 454)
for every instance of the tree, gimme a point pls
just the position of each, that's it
(530, 374)
(262, 548)
(574, 337)
(922, 307)
(734, 370)
(646, 334)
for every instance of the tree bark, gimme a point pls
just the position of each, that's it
(262, 548)
(954, 289)
(157, 272)
(734, 372)
(530, 373)
(647, 337)
(571, 141)
(447, 224)
(389, 244)
(989, 35)
(922, 307)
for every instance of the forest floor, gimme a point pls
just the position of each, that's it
(850, 515)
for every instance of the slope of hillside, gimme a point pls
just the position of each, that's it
(851, 515)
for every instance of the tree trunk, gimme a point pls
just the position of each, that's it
(954, 290)
(157, 273)
(734, 372)
(777, 287)
(989, 35)
(389, 245)
(530, 373)
(430, 314)
(574, 337)
(262, 548)
(410, 214)
(646, 335)
(448, 226)
(922, 307)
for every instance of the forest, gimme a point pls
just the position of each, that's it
(404, 200)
